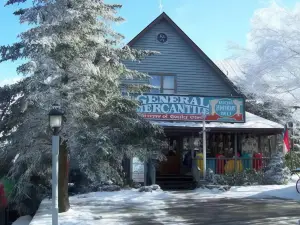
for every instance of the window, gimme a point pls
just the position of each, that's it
(162, 84)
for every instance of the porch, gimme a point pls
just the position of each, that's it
(234, 165)
(230, 148)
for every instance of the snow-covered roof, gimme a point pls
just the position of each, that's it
(252, 122)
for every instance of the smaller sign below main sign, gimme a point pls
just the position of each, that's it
(138, 170)
(191, 108)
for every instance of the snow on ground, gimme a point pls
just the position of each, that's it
(87, 209)
(125, 206)
(266, 191)
(260, 191)
(24, 220)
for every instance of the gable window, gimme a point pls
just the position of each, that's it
(162, 84)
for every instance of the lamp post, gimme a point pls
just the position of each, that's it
(55, 122)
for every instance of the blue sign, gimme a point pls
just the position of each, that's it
(191, 108)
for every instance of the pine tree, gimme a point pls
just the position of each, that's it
(277, 172)
(74, 59)
(10, 114)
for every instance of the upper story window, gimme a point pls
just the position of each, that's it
(163, 84)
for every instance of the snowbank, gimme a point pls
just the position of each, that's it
(260, 191)
(24, 220)
(93, 208)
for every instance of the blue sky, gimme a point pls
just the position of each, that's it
(211, 24)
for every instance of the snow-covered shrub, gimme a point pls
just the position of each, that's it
(131, 183)
(136, 185)
(210, 175)
(215, 179)
(145, 189)
(155, 187)
(246, 177)
(277, 172)
(254, 177)
(151, 188)
(111, 187)
(220, 179)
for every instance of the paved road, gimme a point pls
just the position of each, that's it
(210, 211)
(237, 211)
(180, 209)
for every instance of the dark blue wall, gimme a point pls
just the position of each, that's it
(193, 74)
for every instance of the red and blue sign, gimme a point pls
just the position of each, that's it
(191, 108)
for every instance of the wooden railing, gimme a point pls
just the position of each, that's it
(232, 165)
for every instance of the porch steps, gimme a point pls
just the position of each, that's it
(176, 182)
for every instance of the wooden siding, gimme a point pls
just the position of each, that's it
(193, 74)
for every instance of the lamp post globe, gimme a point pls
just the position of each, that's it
(55, 118)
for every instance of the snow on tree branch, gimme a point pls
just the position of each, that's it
(75, 59)
(271, 60)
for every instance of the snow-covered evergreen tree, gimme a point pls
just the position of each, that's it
(74, 59)
(11, 108)
(277, 172)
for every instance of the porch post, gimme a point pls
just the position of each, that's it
(235, 152)
(204, 149)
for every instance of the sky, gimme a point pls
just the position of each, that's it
(211, 24)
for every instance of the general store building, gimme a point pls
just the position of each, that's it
(182, 68)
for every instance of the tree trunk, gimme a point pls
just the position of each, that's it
(63, 179)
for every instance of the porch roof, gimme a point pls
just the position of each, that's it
(253, 123)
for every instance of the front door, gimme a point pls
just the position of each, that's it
(173, 158)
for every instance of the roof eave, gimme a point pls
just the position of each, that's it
(262, 131)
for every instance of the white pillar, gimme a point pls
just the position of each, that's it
(204, 149)
(55, 152)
